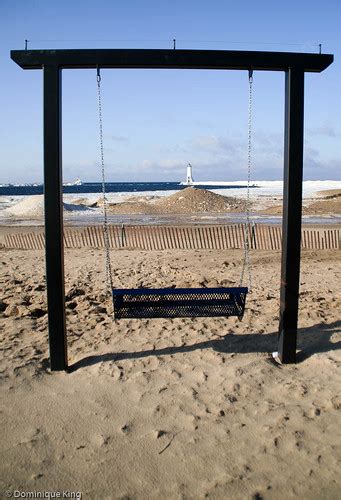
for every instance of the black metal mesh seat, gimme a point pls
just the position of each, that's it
(178, 302)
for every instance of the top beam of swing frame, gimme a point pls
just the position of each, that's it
(294, 65)
(167, 58)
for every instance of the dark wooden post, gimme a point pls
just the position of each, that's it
(53, 199)
(292, 214)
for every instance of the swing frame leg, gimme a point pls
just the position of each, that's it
(292, 214)
(53, 199)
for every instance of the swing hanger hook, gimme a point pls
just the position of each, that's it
(250, 75)
(98, 74)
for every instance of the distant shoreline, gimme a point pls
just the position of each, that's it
(152, 187)
(114, 187)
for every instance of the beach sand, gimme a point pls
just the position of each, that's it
(182, 408)
(321, 203)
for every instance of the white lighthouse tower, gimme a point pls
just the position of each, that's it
(189, 178)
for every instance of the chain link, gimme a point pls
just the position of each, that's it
(105, 205)
(247, 264)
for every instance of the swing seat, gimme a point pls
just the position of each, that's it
(179, 302)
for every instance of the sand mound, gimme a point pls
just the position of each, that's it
(33, 206)
(329, 204)
(187, 201)
(330, 193)
(198, 200)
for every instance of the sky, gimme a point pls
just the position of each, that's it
(156, 121)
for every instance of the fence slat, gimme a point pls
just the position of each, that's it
(229, 236)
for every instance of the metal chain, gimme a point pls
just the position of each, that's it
(105, 206)
(247, 263)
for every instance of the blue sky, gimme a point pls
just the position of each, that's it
(155, 121)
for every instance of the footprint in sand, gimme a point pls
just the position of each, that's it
(159, 411)
(165, 438)
(110, 368)
(99, 440)
(31, 437)
(336, 402)
(34, 477)
(126, 428)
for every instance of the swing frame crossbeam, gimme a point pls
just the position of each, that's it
(294, 65)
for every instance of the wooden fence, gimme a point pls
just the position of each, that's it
(218, 237)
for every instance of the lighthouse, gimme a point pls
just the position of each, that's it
(189, 178)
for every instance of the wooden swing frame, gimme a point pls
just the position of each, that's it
(294, 65)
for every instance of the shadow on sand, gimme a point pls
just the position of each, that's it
(312, 340)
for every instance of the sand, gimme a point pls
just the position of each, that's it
(187, 201)
(176, 409)
(33, 207)
(322, 203)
